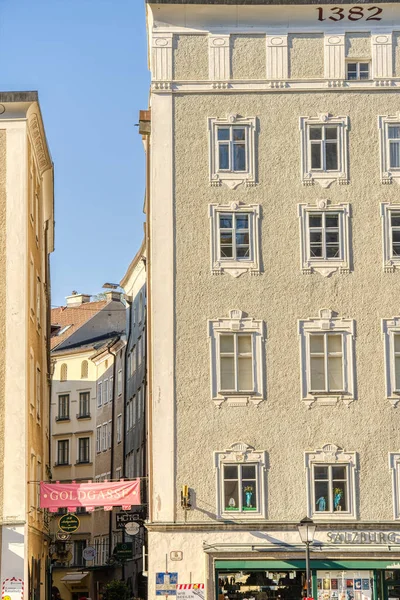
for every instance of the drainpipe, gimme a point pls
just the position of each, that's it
(115, 384)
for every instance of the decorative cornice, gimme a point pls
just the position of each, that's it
(38, 137)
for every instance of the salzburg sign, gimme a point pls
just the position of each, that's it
(364, 537)
(90, 495)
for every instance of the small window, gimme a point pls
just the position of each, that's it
(79, 547)
(62, 452)
(98, 439)
(104, 436)
(111, 396)
(63, 407)
(63, 372)
(232, 144)
(109, 434)
(326, 363)
(99, 394)
(236, 362)
(358, 71)
(389, 130)
(84, 405)
(84, 369)
(391, 336)
(83, 450)
(119, 429)
(324, 150)
(240, 477)
(119, 383)
(105, 391)
(390, 214)
(331, 483)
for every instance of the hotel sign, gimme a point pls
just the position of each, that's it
(364, 537)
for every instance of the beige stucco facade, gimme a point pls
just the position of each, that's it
(190, 429)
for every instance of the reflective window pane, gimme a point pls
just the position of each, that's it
(315, 220)
(316, 162)
(226, 237)
(315, 133)
(230, 472)
(224, 156)
(223, 133)
(394, 132)
(245, 374)
(316, 250)
(227, 343)
(338, 472)
(332, 237)
(321, 472)
(395, 219)
(242, 221)
(244, 344)
(331, 220)
(339, 495)
(317, 373)
(227, 373)
(315, 237)
(332, 252)
(242, 252)
(334, 343)
(322, 501)
(239, 157)
(248, 472)
(225, 221)
(239, 133)
(317, 343)
(331, 133)
(242, 238)
(397, 370)
(335, 373)
(331, 156)
(226, 251)
(394, 155)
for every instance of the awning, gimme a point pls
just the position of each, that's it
(332, 564)
(74, 577)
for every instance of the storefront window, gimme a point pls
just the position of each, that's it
(261, 585)
(330, 488)
(344, 585)
(240, 488)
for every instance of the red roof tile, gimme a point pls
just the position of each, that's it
(75, 316)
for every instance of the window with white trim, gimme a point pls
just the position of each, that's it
(331, 483)
(390, 215)
(324, 149)
(99, 394)
(104, 436)
(232, 150)
(240, 474)
(327, 359)
(111, 396)
(105, 391)
(98, 438)
(62, 452)
(358, 70)
(389, 133)
(109, 434)
(324, 234)
(235, 246)
(119, 429)
(119, 382)
(394, 465)
(237, 372)
(391, 338)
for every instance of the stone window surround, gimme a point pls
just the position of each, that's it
(232, 266)
(330, 454)
(390, 263)
(390, 328)
(324, 178)
(240, 453)
(387, 175)
(237, 322)
(232, 179)
(394, 466)
(327, 321)
(325, 266)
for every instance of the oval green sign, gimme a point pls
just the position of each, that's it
(69, 523)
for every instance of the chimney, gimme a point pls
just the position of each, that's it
(77, 299)
(112, 295)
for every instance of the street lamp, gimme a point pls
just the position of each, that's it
(306, 529)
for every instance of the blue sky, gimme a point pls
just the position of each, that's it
(88, 61)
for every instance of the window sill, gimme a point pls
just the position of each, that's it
(83, 416)
(232, 179)
(329, 399)
(325, 178)
(83, 462)
(337, 516)
(240, 516)
(59, 419)
(235, 268)
(62, 465)
(237, 399)
(326, 267)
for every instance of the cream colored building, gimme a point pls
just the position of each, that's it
(27, 234)
(274, 225)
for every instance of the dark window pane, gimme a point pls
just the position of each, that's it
(315, 220)
(331, 156)
(230, 472)
(332, 252)
(223, 133)
(396, 249)
(226, 252)
(315, 156)
(315, 236)
(316, 251)
(331, 133)
(351, 75)
(242, 222)
(364, 74)
(396, 235)
(315, 133)
(239, 157)
(248, 472)
(231, 495)
(320, 472)
(332, 237)
(352, 71)
(242, 238)
(394, 155)
(395, 219)
(243, 252)
(364, 67)
(339, 493)
(321, 496)
(225, 221)
(249, 496)
(239, 134)
(331, 220)
(338, 472)
(224, 156)
(394, 132)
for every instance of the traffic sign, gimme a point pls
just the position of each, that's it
(69, 523)
(166, 584)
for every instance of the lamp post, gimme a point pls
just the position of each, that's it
(306, 529)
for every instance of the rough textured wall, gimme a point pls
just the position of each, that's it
(281, 296)
(190, 56)
(248, 57)
(3, 199)
(358, 45)
(396, 54)
(301, 47)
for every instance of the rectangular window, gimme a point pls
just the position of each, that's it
(83, 450)
(84, 404)
(38, 299)
(111, 395)
(105, 391)
(357, 71)
(324, 235)
(118, 473)
(330, 488)
(394, 146)
(323, 142)
(62, 452)
(395, 233)
(104, 436)
(232, 146)
(236, 362)
(240, 488)
(109, 434)
(79, 546)
(326, 362)
(32, 287)
(38, 392)
(397, 361)
(119, 429)
(99, 394)
(63, 407)
(234, 236)
(98, 439)
(119, 383)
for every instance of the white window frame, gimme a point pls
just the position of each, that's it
(119, 428)
(390, 328)
(388, 175)
(105, 391)
(330, 454)
(232, 178)
(394, 466)
(327, 322)
(68, 453)
(237, 323)
(79, 462)
(239, 454)
(358, 63)
(38, 383)
(325, 266)
(235, 267)
(98, 439)
(118, 473)
(390, 262)
(119, 383)
(111, 389)
(109, 434)
(324, 178)
(99, 394)
(104, 435)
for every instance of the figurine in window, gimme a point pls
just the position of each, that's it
(321, 503)
(232, 503)
(338, 493)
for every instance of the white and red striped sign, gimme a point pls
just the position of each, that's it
(12, 588)
(190, 591)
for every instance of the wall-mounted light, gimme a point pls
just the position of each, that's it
(185, 498)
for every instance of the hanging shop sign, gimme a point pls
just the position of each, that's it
(190, 591)
(124, 551)
(69, 523)
(124, 518)
(89, 553)
(166, 584)
(364, 537)
(106, 494)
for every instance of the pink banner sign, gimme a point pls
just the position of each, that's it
(106, 493)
